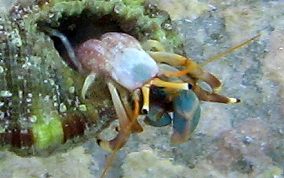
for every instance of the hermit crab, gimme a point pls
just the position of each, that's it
(122, 61)
(127, 67)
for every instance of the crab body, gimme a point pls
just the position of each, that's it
(120, 57)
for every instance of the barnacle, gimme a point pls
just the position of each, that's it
(41, 110)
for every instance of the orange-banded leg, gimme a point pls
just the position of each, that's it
(126, 125)
(157, 51)
(160, 83)
(126, 122)
(213, 97)
(201, 93)
(191, 68)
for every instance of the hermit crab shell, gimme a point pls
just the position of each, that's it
(41, 110)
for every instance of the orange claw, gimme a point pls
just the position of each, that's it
(191, 68)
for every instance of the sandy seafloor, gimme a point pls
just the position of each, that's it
(233, 141)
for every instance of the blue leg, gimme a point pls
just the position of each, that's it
(157, 117)
(186, 116)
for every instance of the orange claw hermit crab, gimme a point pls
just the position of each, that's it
(121, 59)
(128, 67)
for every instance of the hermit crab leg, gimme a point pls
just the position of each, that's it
(213, 97)
(185, 116)
(132, 114)
(124, 123)
(192, 68)
(153, 45)
(201, 94)
(160, 83)
(87, 83)
(158, 116)
(134, 124)
(146, 93)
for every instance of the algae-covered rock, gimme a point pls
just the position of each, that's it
(41, 107)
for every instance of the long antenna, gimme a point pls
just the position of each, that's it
(228, 51)
(67, 45)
